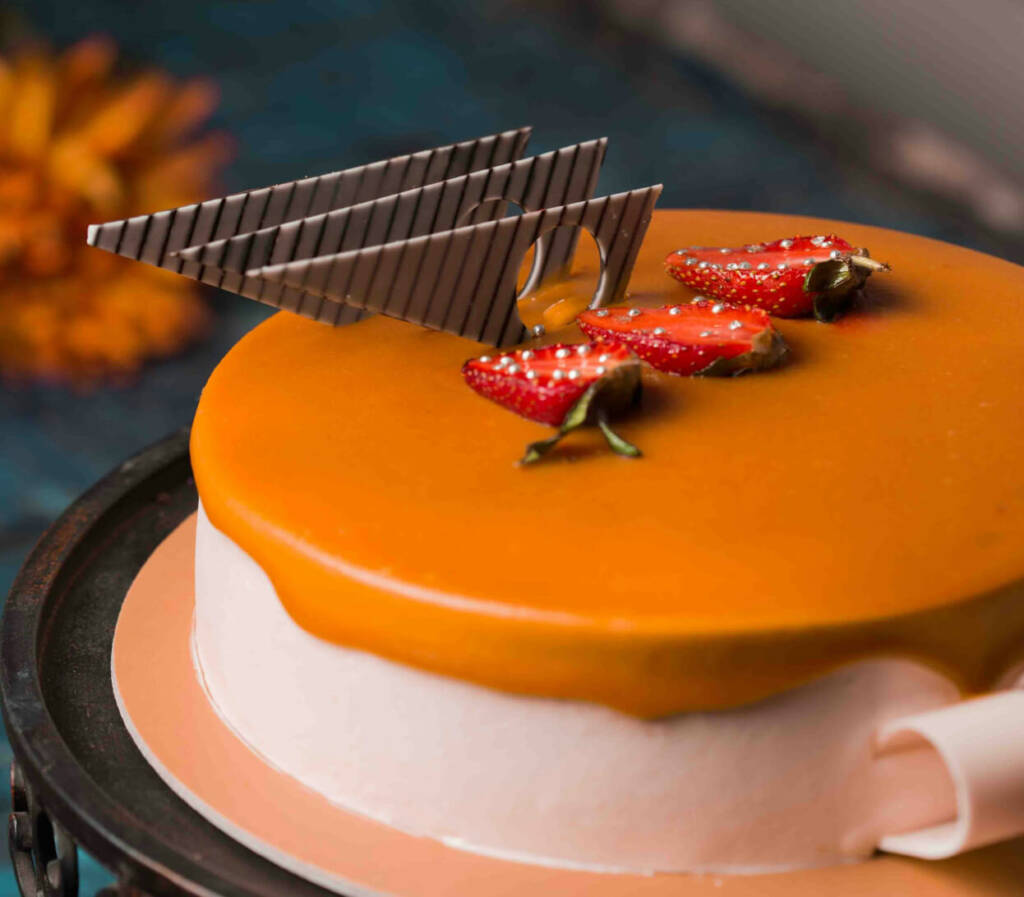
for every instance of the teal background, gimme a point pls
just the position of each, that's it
(309, 87)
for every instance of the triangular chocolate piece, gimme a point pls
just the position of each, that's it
(421, 237)
(156, 238)
(560, 177)
(463, 280)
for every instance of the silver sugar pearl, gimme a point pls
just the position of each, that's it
(717, 308)
(526, 354)
(705, 333)
(682, 251)
(531, 375)
(573, 375)
(702, 264)
(735, 325)
(785, 244)
(513, 369)
(691, 261)
(746, 266)
(782, 266)
(725, 251)
(483, 359)
(732, 266)
(538, 330)
(658, 331)
(675, 310)
(582, 349)
(635, 312)
(809, 262)
(763, 266)
(562, 353)
(834, 254)
(558, 375)
(601, 313)
(602, 358)
(599, 370)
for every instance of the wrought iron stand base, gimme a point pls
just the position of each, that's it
(77, 777)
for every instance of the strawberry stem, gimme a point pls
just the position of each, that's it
(865, 261)
(612, 393)
(537, 450)
(615, 442)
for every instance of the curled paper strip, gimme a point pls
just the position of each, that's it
(422, 237)
(981, 743)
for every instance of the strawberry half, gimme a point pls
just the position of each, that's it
(706, 337)
(564, 386)
(789, 277)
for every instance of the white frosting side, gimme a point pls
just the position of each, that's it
(792, 781)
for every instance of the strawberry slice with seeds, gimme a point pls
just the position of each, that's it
(564, 386)
(788, 278)
(706, 337)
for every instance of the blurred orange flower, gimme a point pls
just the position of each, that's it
(79, 145)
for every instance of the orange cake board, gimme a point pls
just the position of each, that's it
(167, 712)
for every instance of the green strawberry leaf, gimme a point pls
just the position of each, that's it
(834, 274)
(834, 282)
(769, 349)
(614, 392)
(616, 443)
(577, 416)
(537, 450)
(721, 367)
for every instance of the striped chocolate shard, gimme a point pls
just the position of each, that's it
(157, 238)
(463, 280)
(561, 177)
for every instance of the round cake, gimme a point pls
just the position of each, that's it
(725, 655)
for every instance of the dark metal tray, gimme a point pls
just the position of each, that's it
(77, 777)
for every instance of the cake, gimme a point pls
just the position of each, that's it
(746, 651)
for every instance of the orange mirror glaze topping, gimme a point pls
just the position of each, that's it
(866, 498)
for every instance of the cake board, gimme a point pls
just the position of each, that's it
(205, 763)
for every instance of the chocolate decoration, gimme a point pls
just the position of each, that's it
(157, 238)
(463, 280)
(421, 237)
(564, 176)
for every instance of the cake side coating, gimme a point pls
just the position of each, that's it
(867, 498)
(794, 781)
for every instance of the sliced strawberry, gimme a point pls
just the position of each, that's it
(564, 386)
(790, 277)
(706, 337)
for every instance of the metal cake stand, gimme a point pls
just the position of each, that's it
(77, 776)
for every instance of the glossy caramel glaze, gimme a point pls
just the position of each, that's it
(866, 498)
